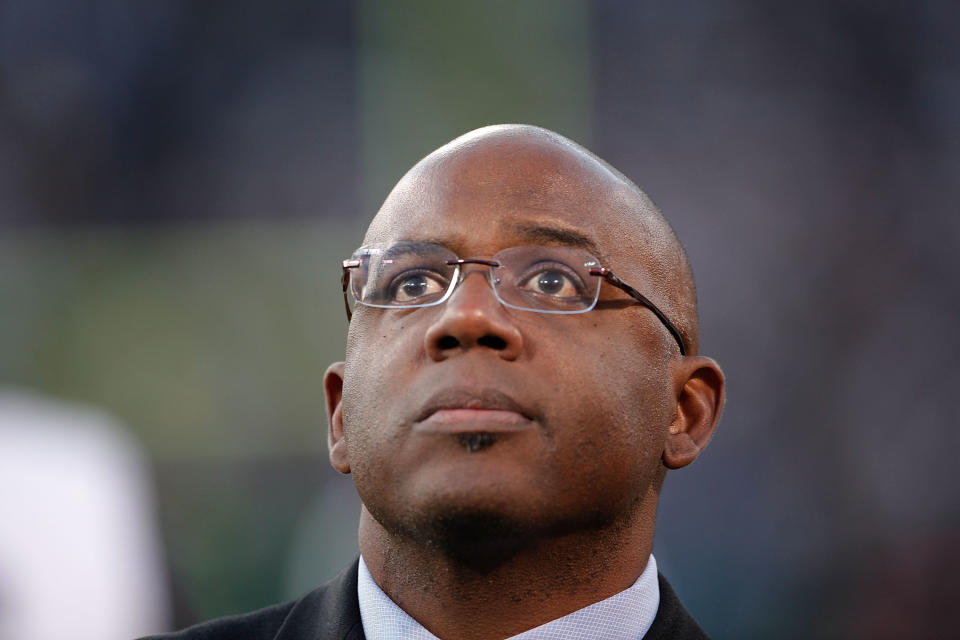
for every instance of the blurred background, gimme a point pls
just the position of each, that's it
(179, 181)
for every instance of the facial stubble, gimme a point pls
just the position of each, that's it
(480, 536)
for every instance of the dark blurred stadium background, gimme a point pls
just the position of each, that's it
(179, 180)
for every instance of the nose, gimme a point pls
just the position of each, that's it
(473, 318)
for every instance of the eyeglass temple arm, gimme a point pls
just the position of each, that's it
(345, 281)
(609, 276)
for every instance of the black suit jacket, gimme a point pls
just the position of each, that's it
(332, 612)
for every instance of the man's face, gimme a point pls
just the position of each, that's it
(542, 424)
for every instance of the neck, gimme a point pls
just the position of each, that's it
(456, 598)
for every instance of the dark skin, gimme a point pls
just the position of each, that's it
(579, 415)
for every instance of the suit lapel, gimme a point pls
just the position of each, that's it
(672, 621)
(329, 612)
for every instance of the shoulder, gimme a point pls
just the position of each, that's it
(672, 620)
(329, 611)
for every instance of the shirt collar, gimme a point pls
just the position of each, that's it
(623, 616)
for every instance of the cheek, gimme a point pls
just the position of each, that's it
(381, 351)
(628, 365)
(623, 400)
(379, 360)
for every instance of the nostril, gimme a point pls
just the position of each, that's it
(493, 342)
(448, 342)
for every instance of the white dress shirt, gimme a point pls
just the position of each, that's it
(623, 616)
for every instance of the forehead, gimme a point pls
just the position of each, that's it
(479, 197)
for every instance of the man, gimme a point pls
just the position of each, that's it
(521, 371)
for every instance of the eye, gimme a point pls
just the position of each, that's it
(417, 286)
(553, 280)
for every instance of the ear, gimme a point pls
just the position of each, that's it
(333, 387)
(699, 390)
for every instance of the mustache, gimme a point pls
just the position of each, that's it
(463, 398)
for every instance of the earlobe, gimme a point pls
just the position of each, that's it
(333, 388)
(700, 399)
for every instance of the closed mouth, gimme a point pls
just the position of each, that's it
(475, 399)
(461, 410)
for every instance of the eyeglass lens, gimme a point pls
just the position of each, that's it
(550, 279)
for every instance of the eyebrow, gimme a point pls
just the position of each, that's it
(402, 248)
(540, 234)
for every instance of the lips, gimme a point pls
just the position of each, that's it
(472, 411)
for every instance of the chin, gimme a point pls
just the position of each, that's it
(482, 533)
(480, 539)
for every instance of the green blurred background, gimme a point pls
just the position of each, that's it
(179, 182)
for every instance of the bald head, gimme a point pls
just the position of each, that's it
(522, 168)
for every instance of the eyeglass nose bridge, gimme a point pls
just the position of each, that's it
(462, 261)
(460, 274)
